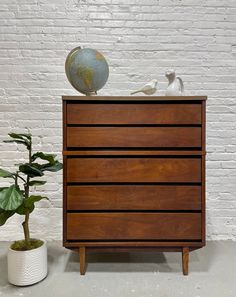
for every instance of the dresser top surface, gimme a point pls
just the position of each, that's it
(134, 98)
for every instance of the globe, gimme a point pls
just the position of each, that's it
(87, 70)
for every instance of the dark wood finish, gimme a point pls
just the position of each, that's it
(133, 152)
(136, 249)
(82, 260)
(144, 99)
(134, 170)
(132, 249)
(133, 197)
(64, 211)
(134, 174)
(134, 114)
(144, 244)
(177, 137)
(204, 173)
(185, 260)
(133, 226)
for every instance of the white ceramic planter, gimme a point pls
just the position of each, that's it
(27, 267)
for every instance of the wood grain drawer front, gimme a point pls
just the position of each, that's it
(179, 137)
(134, 170)
(133, 197)
(135, 113)
(133, 226)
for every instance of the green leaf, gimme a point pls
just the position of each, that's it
(5, 173)
(18, 141)
(48, 157)
(52, 165)
(4, 215)
(29, 202)
(37, 182)
(55, 167)
(11, 198)
(21, 135)
(31, 170)
(21, 138)
(21, 210)
(2, 188)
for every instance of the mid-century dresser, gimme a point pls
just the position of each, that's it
(134, 174)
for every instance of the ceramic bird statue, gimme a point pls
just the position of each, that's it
(175, 86)
(148, 89)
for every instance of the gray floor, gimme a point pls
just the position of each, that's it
(212, 274)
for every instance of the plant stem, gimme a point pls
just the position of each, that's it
(30, 153)
(25, 224)
(16, 179)
(21, 177)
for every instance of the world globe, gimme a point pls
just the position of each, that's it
(87, 70)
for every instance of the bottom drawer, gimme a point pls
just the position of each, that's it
(133, 226)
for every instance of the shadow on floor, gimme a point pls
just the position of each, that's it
(126, 262)
(63, 260)
(200, 261)
(3, 270)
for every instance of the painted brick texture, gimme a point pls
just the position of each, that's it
(141, 39)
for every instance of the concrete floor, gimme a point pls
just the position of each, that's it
(212, 274)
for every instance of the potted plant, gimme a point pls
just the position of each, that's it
(27, 258)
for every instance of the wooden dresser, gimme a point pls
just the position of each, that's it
(134, 174)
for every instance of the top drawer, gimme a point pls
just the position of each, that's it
(134, 113)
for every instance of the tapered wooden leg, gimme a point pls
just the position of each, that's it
(82, 259)
(185, 260)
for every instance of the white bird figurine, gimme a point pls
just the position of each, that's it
(148, 89)
(175, 86)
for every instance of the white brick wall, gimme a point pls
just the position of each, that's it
(140, 39)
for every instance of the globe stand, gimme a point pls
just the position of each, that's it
(91, 94)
